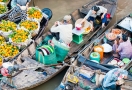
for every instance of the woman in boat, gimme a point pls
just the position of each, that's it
(94, 12)
(113, 78)
(63, 31)
(124, 48)
(19, 6)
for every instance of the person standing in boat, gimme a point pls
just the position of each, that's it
(123, 48)
(63, 31)
(94, 12)
(19, 7)
(114, 79)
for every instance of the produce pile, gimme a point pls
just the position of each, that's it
(2, 40)
(8, 50)
(3, 8)
(34, 13)
(14, 35)
(29, 25)
(5, 1)
(7, 26)
(19, 36)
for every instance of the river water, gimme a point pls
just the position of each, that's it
(62, 7)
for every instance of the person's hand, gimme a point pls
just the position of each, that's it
(51, 43)
(117, 83)
(115, 42)
(56, 24)
(102, 16)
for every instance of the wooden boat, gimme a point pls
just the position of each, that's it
(28, 54)
(43, 24)
(84, 58)
(80, 13)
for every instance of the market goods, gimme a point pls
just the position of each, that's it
(88, 29)
(35, 13)
(4, 0)
(116, 31)
(7, 26)
(111, 36)
(2, 40)
(0, 59)
(8, 50)
(29, 25)
(19, 36)
(3, 8)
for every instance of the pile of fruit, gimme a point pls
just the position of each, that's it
(8, 50)
(2, 40)
(7, 26)
(3, 8)
(34, 13)
(19, 36)
(29, 25)
(5, 1)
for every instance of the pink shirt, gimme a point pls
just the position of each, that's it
(125, 49)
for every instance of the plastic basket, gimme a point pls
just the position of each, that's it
(45, 59)
(61, 53)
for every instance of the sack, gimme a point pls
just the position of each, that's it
(35, 8)
(61, 50)
(46, 59)
(33, 32)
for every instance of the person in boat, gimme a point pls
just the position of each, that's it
(19, 7)
(114, 79)
(94, 12)
(7, 70)
(123, 47)
(63, 31)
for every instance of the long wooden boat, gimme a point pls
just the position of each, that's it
(23, 80)
(43, 24)
(84, 58)
(80, 13)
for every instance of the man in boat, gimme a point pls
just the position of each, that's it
(123, 48)
(114, 78)
(19, 7)
(94, 12)
(63, 31)
(7, 71)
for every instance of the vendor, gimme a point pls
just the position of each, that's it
(63, 31)
(123, 49)
(94, 12)
(112, 79)
(19, 7)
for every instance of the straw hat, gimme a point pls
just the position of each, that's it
(85, 25)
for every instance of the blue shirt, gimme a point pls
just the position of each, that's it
(111, 77)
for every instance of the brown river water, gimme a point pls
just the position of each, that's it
(63, 7)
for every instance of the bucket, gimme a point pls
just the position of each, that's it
(126, 60)
(95, 57)
(100, 50)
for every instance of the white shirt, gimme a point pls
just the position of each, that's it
(65, 32)
(101, 10)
